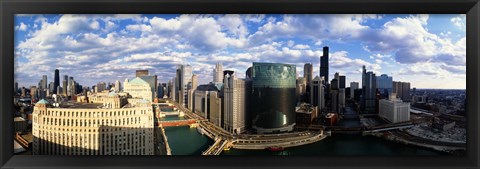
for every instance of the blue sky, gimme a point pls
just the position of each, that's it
(426, 50)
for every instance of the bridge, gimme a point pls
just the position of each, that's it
(190, 122)
(217, 147)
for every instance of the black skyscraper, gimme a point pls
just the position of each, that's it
(324, 64)
(56, 81)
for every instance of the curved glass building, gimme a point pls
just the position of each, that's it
(273, 97)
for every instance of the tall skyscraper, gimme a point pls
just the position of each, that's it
(324, 64)
(308, 75)
(44, 82)
(64, 85)
(341, 82)
(117, 86)
(218, 73)
(353, 87)
(236, 106)
(385, 84)
(317, 96)
(184, 79)
(308, 72)
(56, 82)
(139, 73)
(71, 84)
(273, 97)
(101, 86)
(369, 87)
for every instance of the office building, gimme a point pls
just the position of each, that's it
(402, 89)
(324, 65)
(152, 81)
(191, 93)
(64, 85)
(88, 130)
(353, 87)
(236, 106)
(218, 73)
(139, 88)
(317, 97)
(101, 86)
(56, 82)
(394, 110)
(385, 84)
(117, 86)
(183, 83)
(341, 82)
(369, 88)
(139, 73)
(273, 97)
(305, 114)
(301, 92)
(308, 72)
(44, 82)
(202, 104)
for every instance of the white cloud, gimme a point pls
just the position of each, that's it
(21, 27)
(459, 21)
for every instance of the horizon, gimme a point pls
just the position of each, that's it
(105, 48)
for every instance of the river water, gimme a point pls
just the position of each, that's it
(187, 141)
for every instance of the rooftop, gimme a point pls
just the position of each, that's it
(79, 105)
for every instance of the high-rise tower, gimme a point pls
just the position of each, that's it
(324, 65)
(56, 81)
(218, 73)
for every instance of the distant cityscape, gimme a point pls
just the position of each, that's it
(272, 109)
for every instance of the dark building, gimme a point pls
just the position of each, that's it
(324, 64)
(273, 97)
(248, 73)
(139, 73)
(229, 72)
(56, 81)
(369, 91)
(16, 87)
(341, 82)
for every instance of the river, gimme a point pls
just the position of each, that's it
(187, 141)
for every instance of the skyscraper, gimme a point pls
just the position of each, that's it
(64, 85)
(117, 86)
(384, 84)
(317, 96)
(308, 75)
(139, 73)
(183, 82)
(369, 87)
(308, 72)
(324, 65)
(218, 73)
(273, 97)
(44, 82)
(56, 82)
(353, 87)
(341, 82)
(236, 106)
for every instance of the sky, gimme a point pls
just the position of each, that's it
(429, 51)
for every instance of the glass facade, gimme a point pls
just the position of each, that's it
(273, 97)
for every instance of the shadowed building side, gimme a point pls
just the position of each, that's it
(273, 97)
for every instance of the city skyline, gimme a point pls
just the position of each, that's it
(96, 48)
